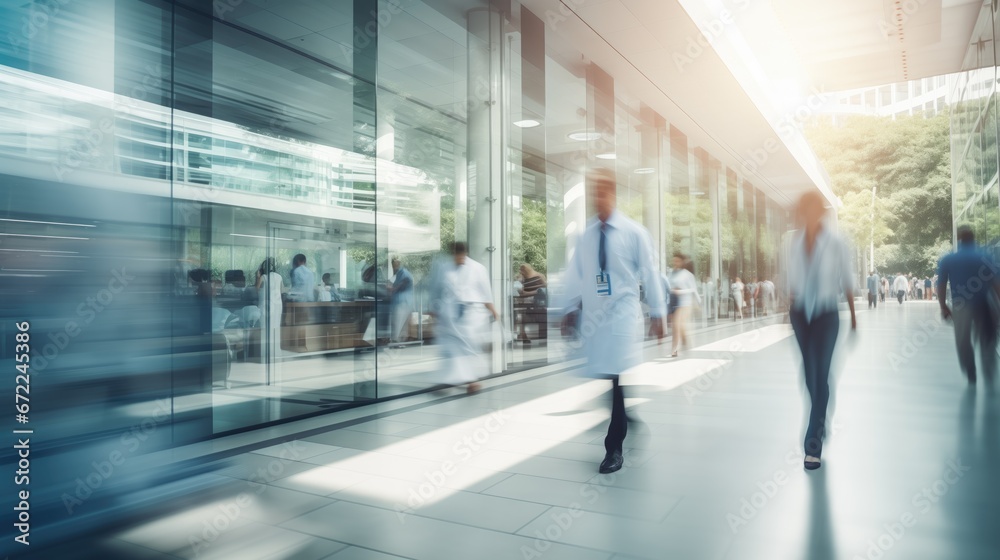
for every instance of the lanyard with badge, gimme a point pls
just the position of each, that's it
(604, 278)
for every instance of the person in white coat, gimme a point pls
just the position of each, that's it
(401, 300)
(684, 286)
(462, 304)
(737, 289)
(613, 256)
(900, 285)
(269, 286)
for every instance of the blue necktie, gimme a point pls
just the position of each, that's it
(602, 253)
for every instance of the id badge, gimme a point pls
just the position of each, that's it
(603, 284)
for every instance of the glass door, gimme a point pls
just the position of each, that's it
(323, 317)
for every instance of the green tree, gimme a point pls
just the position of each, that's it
(865, 220)
(531, 248)
(908, 160)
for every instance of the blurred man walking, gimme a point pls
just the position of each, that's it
(972, 274)
(613, 256)
(899, 286)
(873, 284)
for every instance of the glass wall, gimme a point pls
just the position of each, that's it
(235, 211)
(974, 134)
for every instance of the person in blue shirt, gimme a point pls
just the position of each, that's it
(972, 274)
(873, 285)
(303, 280)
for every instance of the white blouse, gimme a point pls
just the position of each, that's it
(816, 281)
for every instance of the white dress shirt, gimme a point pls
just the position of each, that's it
(900, 283)
(815, 281)
(611, 326)
(684, 285)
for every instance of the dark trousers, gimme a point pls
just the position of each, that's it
(816, 339)
(872, 300)
(975, 326)
(619, 421)
(900, 295)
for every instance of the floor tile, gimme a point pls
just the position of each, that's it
(297, 450)
(422, 538)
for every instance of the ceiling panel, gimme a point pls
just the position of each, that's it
(435, 46)
(607, 17)
(403, 26)
(312, 16)
(269, 23)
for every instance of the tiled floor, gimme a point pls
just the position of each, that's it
(713, 471)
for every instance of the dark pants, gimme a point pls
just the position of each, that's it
(816, 342)
(872, 300)
(619, 422)
(900, 295)
(974, 326)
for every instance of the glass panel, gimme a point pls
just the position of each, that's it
(421, 133)
(85, 252)
(349, 149)
(286, 231)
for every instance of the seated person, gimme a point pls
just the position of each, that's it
(249, 295)
(220, 319)
(327, 291)
(533, 286)
(249, 317)
(532, 280)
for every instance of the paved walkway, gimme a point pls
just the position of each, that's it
(713, 472)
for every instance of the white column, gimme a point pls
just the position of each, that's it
(486, 154)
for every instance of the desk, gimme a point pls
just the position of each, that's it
(325, 325)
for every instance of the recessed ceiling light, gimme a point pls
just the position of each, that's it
(609, 155)
(584, 136)
(645, 170)
(527, 123)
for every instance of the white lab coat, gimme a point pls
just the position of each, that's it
(462, 323)
(611, 327)
(270, 305)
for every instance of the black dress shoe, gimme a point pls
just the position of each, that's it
(611, 463)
